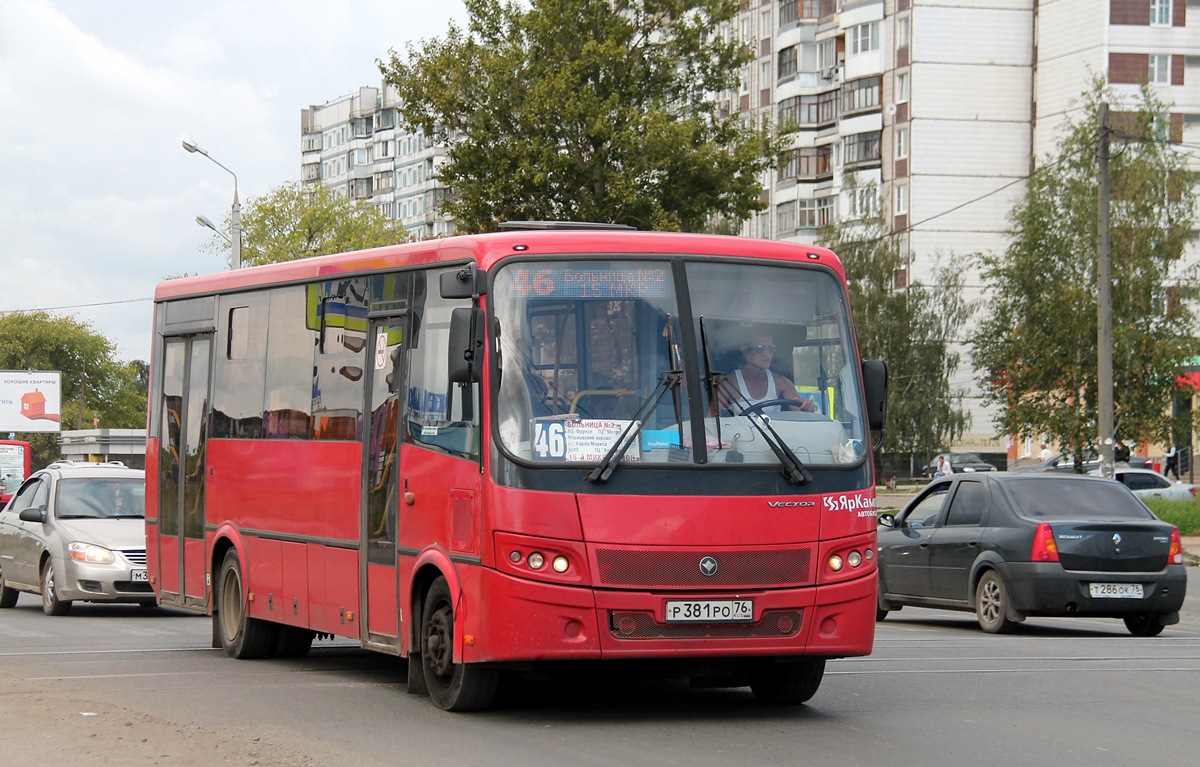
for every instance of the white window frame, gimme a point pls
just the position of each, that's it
(900, 195)
(863, 38)
(1161, 13)
(1159, 69)
(902, 88)
(901, 143)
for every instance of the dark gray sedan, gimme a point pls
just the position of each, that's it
(1008, 546)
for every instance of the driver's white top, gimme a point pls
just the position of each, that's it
(771, 393)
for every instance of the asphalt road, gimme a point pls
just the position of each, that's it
(936, 691)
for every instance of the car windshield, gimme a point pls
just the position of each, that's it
(965, 458)
(585, 344)
(1080, 498)
(100, 497)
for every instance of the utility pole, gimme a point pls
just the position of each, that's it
(1104, 357)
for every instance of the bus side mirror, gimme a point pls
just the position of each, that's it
(466, 282)
(466, 345)
(875, 387)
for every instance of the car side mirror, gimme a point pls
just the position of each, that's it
(886, 520)
(33, 515)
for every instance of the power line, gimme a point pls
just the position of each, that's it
(6, 312)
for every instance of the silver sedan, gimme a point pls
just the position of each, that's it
(76, 532)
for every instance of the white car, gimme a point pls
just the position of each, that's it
(1147, 483)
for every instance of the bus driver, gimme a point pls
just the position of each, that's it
(755, 382)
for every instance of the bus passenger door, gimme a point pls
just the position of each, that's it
(379, 521)
(181, 515)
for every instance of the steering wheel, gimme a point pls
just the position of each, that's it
(757, 407)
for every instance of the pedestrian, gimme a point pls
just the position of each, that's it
(943, 466)
(1172, 457)
(1045, 455)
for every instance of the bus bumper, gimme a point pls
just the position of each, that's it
(521, 620)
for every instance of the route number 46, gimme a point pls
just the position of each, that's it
(549, 439)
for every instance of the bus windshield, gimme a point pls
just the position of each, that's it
(591, 349)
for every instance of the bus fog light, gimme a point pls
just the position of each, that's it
(560, 564)
(854, 558)
(536, 561)
(869, 554)
(835, 563)
(514, 557)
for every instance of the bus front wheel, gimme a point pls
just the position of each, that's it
(787, 683)
(241, 636)
(452, 686)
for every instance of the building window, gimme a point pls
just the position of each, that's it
(902, 88)
(814, 214)
(808, 111)
(861, 203)
(861, 149)
(807, 164)
(785, 217)
(787, 63)
(827, 54)
(787, 11)
(1159, 72)
(901, 143)
(1160, 13)
(861, 95)
(863, 38)
(902, 32)
(901, 195)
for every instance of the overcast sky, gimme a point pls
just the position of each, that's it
(98, 199)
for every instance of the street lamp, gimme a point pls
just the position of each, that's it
(236, 226)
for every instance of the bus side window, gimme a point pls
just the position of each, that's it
(441, 415)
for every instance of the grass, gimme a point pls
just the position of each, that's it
(1183, 514)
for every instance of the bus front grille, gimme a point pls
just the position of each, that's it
(651, 568)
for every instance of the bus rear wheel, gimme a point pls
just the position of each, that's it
(452, 686)
(787, 683)
(241, 636)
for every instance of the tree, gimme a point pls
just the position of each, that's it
(297, 221)
(589, 110)
(96, 387)
(911, 328)
(1036, 347)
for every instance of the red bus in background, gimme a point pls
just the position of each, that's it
(15, 466)
(494, 452)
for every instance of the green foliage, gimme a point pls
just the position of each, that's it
(587, 110)
(300, 221)
(911, 329)
(95, 385)
(1183, 514)
(1036, 348)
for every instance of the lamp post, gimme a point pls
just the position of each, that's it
(236, 219)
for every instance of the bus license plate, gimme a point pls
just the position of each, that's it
(1117, 590)
(137, 575)
(709, 610)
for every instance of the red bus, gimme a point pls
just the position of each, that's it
(15, 467)
(489, 453)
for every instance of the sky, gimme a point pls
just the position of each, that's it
(98, 198)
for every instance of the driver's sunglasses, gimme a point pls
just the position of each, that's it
(760, 348)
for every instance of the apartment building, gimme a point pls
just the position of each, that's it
(941, 108)
(354, 146)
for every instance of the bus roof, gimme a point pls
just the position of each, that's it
(487, 249)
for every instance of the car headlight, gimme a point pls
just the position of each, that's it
(90, 553)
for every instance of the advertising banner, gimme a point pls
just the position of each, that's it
(30, 401)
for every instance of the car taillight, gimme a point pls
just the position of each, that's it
(1044, 547)
(1175, 557)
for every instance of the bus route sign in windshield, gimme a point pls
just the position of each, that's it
(599, 282)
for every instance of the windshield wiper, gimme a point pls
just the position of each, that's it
(668, 380)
